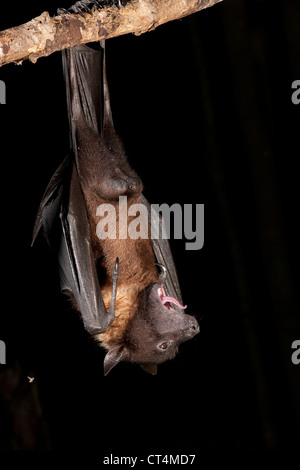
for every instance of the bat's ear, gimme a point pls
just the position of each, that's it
(150, 368)
(113, 357)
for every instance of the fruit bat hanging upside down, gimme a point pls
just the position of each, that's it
(126, 289)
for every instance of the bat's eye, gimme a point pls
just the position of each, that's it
(164, 345)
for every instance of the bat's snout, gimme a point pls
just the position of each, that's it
(192, 329)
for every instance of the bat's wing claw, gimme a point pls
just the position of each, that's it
(163, 272)
(116, 269)
(111, 310)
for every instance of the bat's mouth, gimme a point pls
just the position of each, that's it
(166, 300)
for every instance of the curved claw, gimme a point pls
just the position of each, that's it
(81, 6)
(163, 274)
(62, 11)
(84, 7)
(111, 310)
(116, 268)
(75, 9)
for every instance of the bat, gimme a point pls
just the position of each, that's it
(126, 289)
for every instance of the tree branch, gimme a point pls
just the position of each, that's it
(44, 35)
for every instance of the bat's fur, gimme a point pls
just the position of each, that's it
(125, 310)
(142, 328)
(136, 258)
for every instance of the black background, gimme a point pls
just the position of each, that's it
(204, 108)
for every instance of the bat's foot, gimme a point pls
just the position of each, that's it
(85, 6)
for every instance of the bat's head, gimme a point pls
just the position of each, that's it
(155, 332)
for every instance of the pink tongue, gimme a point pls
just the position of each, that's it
(171, 300)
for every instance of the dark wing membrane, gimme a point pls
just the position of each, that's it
(87, 89)
(62, 212)
(50, 204)
(76, 260)
(162, 251)
(82, 72)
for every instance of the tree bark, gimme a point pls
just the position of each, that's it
(44, 35)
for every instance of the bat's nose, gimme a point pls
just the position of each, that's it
(193, 327)
(134, 183)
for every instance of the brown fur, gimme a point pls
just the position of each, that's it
(125, 309)
(141, 330)
(136, 269)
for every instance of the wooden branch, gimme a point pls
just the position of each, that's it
(44, 35)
